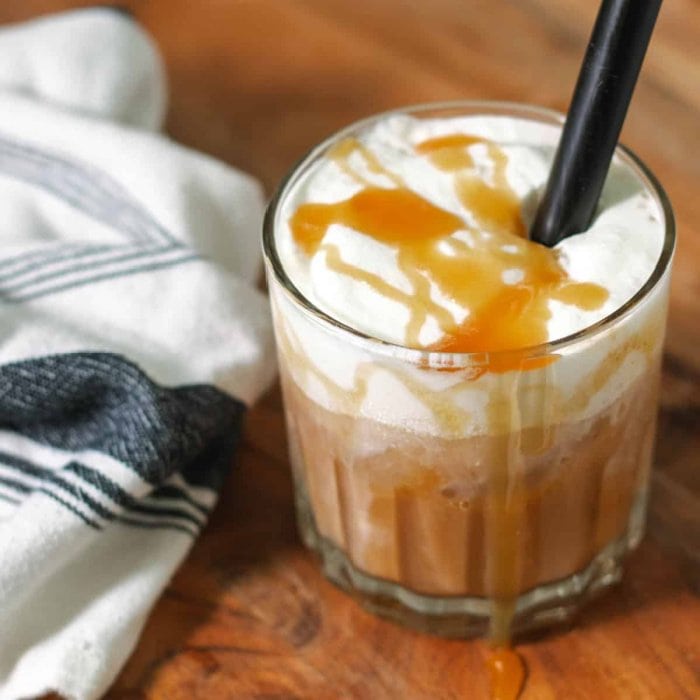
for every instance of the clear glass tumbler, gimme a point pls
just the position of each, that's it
(508, 524)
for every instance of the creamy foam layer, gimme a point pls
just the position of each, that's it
(618, 252)
(363, 280)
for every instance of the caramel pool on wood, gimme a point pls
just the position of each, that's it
(468, 263)
(507, 673)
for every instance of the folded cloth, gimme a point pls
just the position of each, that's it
(131, 339)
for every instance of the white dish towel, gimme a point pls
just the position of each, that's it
(131, 339)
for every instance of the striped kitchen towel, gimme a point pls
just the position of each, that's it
(131, 340)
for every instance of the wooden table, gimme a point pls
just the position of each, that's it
(256, 83)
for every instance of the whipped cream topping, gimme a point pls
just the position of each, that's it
(417, 174)
(616, 255)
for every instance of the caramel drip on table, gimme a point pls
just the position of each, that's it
(468, 269)
(507, 673)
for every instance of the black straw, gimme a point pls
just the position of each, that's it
(603, 91)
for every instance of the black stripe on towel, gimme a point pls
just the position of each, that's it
(9, 499)
(15, 485)
(84, 187)
(170, 491)
(120, 497)
(145, 264)
(103, 402)
(47, 478)
(147, 245)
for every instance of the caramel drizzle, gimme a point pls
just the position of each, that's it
(494, 206)
(343, 151)
(421, 286)
(502, 316)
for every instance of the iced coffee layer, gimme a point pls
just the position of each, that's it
(432, 514)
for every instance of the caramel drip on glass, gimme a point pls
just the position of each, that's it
(504, 280)
(503, 518)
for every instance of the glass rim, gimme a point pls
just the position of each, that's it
(462, 359)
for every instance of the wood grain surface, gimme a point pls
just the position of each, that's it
(256, 83)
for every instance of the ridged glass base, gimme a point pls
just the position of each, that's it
(461, 616)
